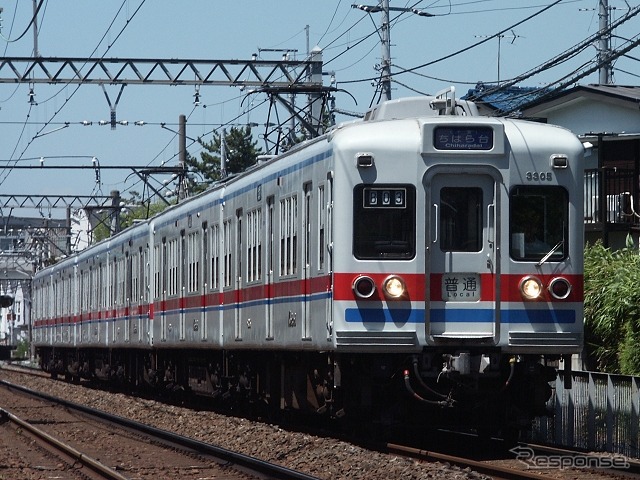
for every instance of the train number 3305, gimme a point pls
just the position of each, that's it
(539, 176)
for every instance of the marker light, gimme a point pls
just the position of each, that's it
(559, 288)
(364, 287)
(531, 288)
(394, 287)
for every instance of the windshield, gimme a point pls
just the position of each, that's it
(384, 222)
(538, 220)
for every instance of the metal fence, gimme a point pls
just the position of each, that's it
(601, 412)
(609, 196)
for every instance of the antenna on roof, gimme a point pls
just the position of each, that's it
(513, 37)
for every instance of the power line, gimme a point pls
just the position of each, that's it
(33, 19)
(385, 39)
(564, 56)
(7, 172)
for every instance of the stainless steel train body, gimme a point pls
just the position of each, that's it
(411, 260)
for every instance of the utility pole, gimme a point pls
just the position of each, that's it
(605, 44)
(385, 39)
(182, 156)
(115, 212)
(36, 52)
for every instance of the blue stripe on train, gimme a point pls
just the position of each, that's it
(440, 315)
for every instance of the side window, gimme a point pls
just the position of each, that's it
(214, 250)
(228, 249)
(193, 262)
(254, 245)
(172, 267)
(135, 277)
(538, 223)
(288, 235)
(157, 270)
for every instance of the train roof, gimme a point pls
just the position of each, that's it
(413, 107)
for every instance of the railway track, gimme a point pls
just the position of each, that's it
(56, 454)
(488, 464)
(154, 453)
(504, 469)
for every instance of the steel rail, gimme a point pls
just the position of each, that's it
(271, 470)
(78, 456)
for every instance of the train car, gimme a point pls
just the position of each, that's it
(423, 265)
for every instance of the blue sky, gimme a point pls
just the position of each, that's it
(215, 29)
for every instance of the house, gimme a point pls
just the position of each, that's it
(608, 118)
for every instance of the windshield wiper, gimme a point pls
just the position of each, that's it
(551, 252)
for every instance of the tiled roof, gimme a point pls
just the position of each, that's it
(503, 99)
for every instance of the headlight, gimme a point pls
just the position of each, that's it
(559, 288)
(531, 288)
(364, 287)
(394, 287)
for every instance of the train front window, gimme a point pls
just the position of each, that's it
(461, 219)
(384, 222)
(538, 220)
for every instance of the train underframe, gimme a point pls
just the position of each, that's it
(429, 390)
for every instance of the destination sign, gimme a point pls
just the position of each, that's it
(463, 138)
(385, 198)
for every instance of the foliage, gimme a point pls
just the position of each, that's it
(241, 152)
(139, 210)
(22, 349)
(136, 209)
(612, 308)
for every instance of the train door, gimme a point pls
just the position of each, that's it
(161, 273)
(269, 267)
(182, 262)
(462, 265)
(206, 275)
(328, 244)
(128, 272)
(306, 262)
(238, 276)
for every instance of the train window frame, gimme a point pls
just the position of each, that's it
(192, 259)
(322, 213)
(288, 234)
(369, 217)
(173, 266)
(214, 256)
(254, 245)
(134, 258)
(227, 253)
(549, 235)
(157, 270)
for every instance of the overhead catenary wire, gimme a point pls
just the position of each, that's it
(564, 56)
(400, 70)
(462, 50)
(33, 19)
(7, 170)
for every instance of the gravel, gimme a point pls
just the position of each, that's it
(325, 458)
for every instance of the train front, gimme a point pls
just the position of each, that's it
(458, 274)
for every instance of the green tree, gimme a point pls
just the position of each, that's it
(136, 209)
(241, 151)
(612, 308)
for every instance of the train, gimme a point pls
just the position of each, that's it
(421, 265)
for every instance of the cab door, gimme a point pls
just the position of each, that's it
(462, 245)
